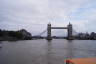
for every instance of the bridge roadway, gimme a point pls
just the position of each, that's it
(59, 28)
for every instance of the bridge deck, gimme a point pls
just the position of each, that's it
(58, 27)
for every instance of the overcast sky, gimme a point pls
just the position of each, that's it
(33, 15)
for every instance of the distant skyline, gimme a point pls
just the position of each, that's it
(34, 15)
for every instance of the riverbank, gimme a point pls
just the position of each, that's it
(15, 35)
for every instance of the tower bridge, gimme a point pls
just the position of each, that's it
(69, 31)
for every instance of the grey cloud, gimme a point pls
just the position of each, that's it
(34, 15)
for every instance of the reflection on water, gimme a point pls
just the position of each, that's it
(69, 51)
(45, 52)
(49, 53)
(0, 45)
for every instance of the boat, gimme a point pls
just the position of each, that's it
(81, 61)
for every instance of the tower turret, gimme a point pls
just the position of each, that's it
(49, 31)
(70, 31)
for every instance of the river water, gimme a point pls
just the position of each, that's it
(45, 52)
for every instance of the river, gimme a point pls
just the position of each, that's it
(45, 52)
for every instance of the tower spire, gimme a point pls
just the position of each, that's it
(69, 23)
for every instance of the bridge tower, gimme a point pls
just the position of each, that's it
(49, 32)
(69, 28)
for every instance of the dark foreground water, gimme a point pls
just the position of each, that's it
(44, 52)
